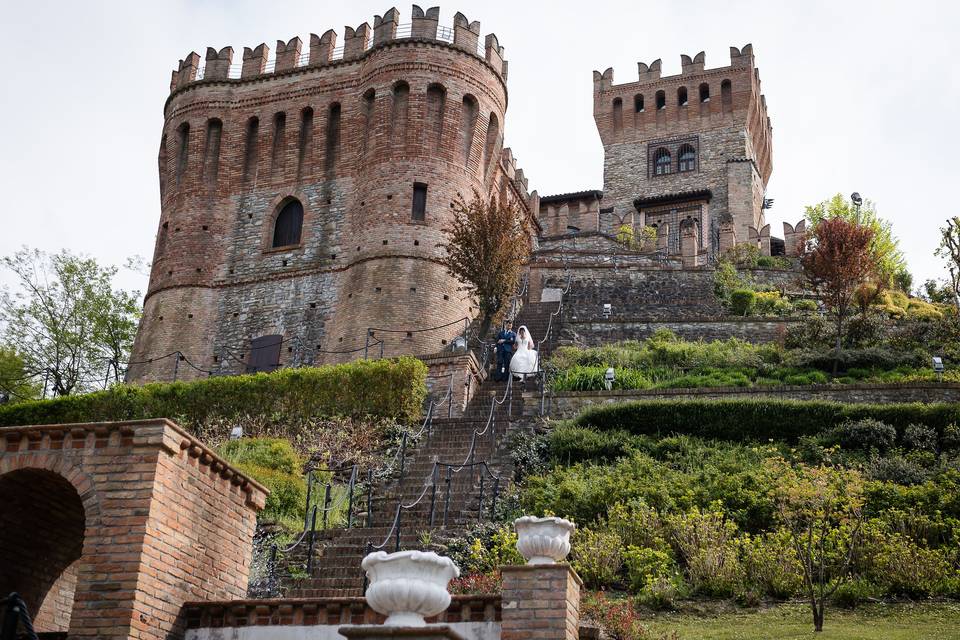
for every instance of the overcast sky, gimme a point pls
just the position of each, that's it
(863, 96)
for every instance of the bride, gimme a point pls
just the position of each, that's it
(524, 361)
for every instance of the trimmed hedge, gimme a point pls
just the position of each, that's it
(394, 388)
(757, 419)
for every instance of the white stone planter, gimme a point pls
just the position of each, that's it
(543, 540)
(408, 585)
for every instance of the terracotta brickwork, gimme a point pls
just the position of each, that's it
(347, 133)
(540, 601)
(718, 115)
(113, 526)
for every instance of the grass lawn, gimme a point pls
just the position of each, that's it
(868, 622)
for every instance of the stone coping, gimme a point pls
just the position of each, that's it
(133, 432)
(876, 386)
(324, 611)
(376, 632)
(560, 567)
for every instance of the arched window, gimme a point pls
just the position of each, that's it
(250, 153)
(617, 114)
(704, 92)
(682, 98)
(661, 100)
(638, 103)
(726, 95)
(333, 136)
(369, 98)
(183, 150)
(279, 133)
(468, 124)
(490, 146)
(661, 162)
(306, 138)
(289, 224)
(436, 105)
(398, 112)
(211, 151)
(687, 158)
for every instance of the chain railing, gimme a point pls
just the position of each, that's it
(15, 615)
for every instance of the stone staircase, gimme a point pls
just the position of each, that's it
(337, 553)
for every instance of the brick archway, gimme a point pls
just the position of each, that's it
(106, 529)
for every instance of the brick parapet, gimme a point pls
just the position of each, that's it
(324, 611)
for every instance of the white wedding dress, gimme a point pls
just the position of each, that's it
(524, 361)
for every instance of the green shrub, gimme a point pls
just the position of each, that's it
(742, 302)
(897, 469)
(770, 564)
(706, 541)
(806, 305)
(864, 434)
(920, 437)
(854, 592)
(596, 556)
(900, 566)
(646, 566)
(951, 437)
(273, 463)
(569, 444)
(393, 388)
(757, 420)
(270, 453)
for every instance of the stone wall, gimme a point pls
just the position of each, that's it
(347, 136)
(460, 373)
(755, 330)
(570, 403)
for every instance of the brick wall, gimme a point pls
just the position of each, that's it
(355, 134)
(137, 517)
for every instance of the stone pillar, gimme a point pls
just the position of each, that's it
(540, 601)
(728, 236)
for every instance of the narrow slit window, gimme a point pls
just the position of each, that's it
(661, 100)
(682, 98)
(704, 93)
(419, 211)
(638, 103)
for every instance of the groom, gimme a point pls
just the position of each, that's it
(505, 340)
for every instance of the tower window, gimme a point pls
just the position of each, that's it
(687, 159)
(661, 162)
(704, 93)
(682, 98)
(661, 100)
(617, 114)
(638, 103)
(419, 201)
(289, 224)
(726, 95)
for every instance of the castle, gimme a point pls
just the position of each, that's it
(302, 200)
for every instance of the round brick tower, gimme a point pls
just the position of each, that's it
(302, 205)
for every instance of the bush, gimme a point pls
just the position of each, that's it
(392, 388)
(647, 566)
(757, 420)
(920, 437)
(901, 567)
(770, 564)
(897, 469)
(742, 302)
(855, 592)
(864, 434)
(706, 541)
(273, 463)
(596, 556)
(806, 305)
(569, 445)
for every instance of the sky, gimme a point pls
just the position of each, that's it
(863, 96)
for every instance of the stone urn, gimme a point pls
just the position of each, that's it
(543, 540)
(408, 585)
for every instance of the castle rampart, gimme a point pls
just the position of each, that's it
(364, 147)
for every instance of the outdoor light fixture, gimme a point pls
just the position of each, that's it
(938, 366)
(236, 433)
(856, 199)
(608, 378)
(607, 309)
(459, 343)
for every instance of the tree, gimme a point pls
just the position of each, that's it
(937, 291)
(949, 250)
(486, 244)
(884, 246)
(70, 327)
(836, 261)
(16, 384)
(822, 509)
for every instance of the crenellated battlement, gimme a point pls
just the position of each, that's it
(323, 50)
(652, 73)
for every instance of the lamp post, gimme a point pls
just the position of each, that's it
(857, 200)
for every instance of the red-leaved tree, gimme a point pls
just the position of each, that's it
(836, 260)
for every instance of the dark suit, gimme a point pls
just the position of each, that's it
(504, 353)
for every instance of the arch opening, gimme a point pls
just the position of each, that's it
(289, 224)
(40, 544)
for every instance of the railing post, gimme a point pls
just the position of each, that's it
(381, 349)
(313, 533)
(397, 522)
(306, 512)
(446, 503)
(326, 505)
(353, 482)
(176, 365)
(480, 503)
(496, 494)
(272, 569)
(450, 397)
(369, 498)
(403, 454)
(433, 491)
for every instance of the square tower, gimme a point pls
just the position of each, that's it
(688, 154)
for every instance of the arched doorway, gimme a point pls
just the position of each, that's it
(40, 542)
